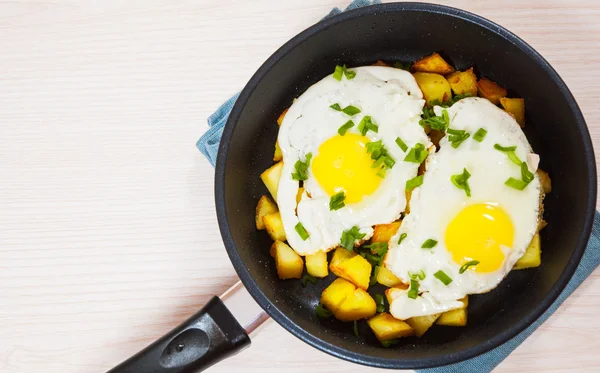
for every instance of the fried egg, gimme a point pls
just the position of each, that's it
(493, 225)
(340, 162)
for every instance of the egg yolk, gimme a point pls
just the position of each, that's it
(343, 163)
(477, 233)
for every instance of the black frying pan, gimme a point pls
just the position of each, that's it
(389, 32)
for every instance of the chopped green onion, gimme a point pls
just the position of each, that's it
(308, 278)
(402, 237)
(338, 73)
(515, 183)
(302, 168)
(349, 237)
(456, 137)
(375, 260)
(401, 144)
(429, 244)
(367, 124)
(416, 154)
(350, 74)
(457, 98)
(389, 343)
(467, 265)
(479, 135)
(403, 66)
(351, 110)
(526, 175)
(336, 107)
(323, 312)
(301, 231)
(417, 276)
(439, 123)
(510, 152)
(336, 201)
(443, 277)
(413, 292)
(373, 279)
(345, 127)
(378, 248)
(414, 182)
(382, 159)
(380, 302)
(461, 181)
(355, 328)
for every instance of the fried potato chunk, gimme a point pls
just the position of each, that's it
(274, 226)
(533, 254)
(288, 263)
(434, 87)
(490, 90)
(335, 293)
(316, 264)
(422, 323)
(270, 177)
(357, 270)
(545, 181)
(386, 327)
(433, 64)
(463, 82)
(457, 317)
(278, 155)
(384, 232)
(515, 107)
(281, 116)
(264, 207)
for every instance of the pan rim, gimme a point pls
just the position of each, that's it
(362, 358)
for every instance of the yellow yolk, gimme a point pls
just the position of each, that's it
(344, 164)
(477, 233)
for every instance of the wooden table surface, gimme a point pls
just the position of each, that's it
(108, 234)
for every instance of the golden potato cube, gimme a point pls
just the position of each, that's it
(516, 108)
(316, 264)
(278, 154)
(264, 207)
(386, 327)
(380, 63)
(340, 255)
(422, 323)
(299, 195)
(490, 90)
(383, 232)
(270, 177)
(433, 64)
(457, 317)
(357, 270)
(335, 293)
(545, 181)
(274, 226)
(281, 116)
(288, 263)
(434, 87)
(463, 82)
(386, 278)
(356, 306)
(533, 255)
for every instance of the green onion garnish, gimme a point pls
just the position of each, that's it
(403, 66)
(416, 154)
(336, 201)
(302, 168)
(301, 231)
(373, 279)
(510, 152)
(413, 292)
(434, 122)
(323, 312)
(341, 71)
(389, 343)
(417, 276)
(379, 153)
(380, 302)
(351, 110)
(479, 135)
(457, 98)
(367, 124)
(350, 74)
(414, 182)
(402, 237)
(443, 277)
(356, 328)
(345, 127)
(308, 278)
(467, 265)
(375, 260)
(378, 248)
(456, 137)
(429, 244)
(515, 183)
(349, 237)
(336, 107)
(461, 181)
(401, 144)
(526, 175)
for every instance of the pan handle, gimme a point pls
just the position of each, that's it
(206, 338)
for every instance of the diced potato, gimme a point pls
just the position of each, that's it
(386, 327)
(380, 63)
(335, 293)
(384, 232)
(422, 323)
(545, 181)
(533, 255)
(264, 207)
(490, 90)
(357, 270)
(386, 278)
(278, 154)
(274, 226)
(270, 177)
(463, 82)
(281, 116)
(358, 305)
(515, 107)
(299, 195)
(316, 264)
(288, 263)
(433, 64)
(457, 317)
(340, 255)
(434, 87)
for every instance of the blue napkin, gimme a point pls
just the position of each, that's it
(208, 144)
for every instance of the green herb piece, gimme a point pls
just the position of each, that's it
(301, 231)
(308, 278)
(416, 154)
(349, 237)
(457, 98)
(461, 181)
(380, 302)
(350, 74)
(336, 107)
(336, 201)
(383, 160)
(456, 137)
(417, 276)
(378, 248)
(429, 244)
(510, 152)
(345, 127)
(338, 73)
(355, 328)
(323, 312)
(302, 168)
(413, 292)
(373, 279)
(439, 123)
(403, 66)
(389, 343)
(467, 265)
(374, 259)
(526, 175)
(515, 183)
(414, 182)
(351, 110)
(443, 277)
(402, 237)
(401, 144)
(367, 124)
(479, 135)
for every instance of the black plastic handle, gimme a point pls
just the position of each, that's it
(204, 339)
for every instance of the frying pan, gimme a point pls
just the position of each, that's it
(388, 32)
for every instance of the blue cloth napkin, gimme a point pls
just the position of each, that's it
(208, 144)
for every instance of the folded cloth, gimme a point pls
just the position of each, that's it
(208, 144)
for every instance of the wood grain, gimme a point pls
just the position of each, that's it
(108, 235)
